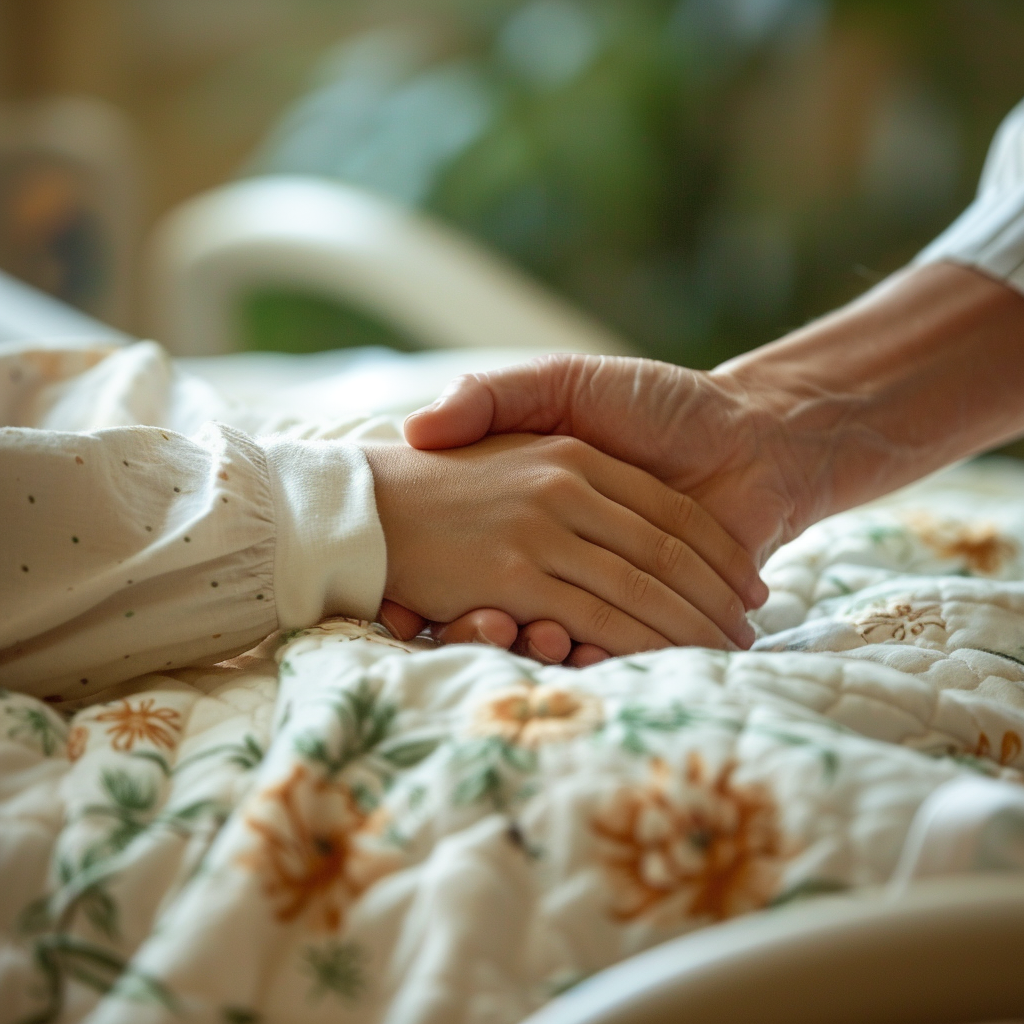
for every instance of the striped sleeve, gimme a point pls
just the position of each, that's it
(989, 234)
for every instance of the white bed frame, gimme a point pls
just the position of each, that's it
(439, 288)
(948, 951)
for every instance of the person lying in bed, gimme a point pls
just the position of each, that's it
(129, 547)
(925, 369)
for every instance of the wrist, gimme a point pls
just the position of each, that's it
(792, 428)
(921, 371)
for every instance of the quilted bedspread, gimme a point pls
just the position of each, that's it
(342, 827)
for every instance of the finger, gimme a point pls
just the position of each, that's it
(678, 515)
(669, 560)
(583, 655)
(544, 641)
(592, 620)
(399, 621)
(482, 626)
(460, 416)
(637, 594)
(535, 397)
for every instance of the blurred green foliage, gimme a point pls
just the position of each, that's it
(292, 320)
(702, 174)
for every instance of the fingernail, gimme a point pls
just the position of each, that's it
(480, 638)
(433, 407)
(759, 592)
(534, 653)
(383, 620)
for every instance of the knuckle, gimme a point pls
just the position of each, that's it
(565, 447)
(681, 508)
(518, 569)
(560, 486)
(668, 552)
(637, 584)
(600, 616)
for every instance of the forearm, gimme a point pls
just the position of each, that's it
(923, 370)
(135, 549)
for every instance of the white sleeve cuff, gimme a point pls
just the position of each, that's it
(989, 234)
(330, 557)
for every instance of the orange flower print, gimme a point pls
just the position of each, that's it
(530, 715)
(141, 722)
(314, 855)
(1009, 748)
(902, 622)
(689, 844)
(78, 739)
(980, 547)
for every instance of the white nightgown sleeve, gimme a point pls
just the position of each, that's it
(989, 234)
(129, 549)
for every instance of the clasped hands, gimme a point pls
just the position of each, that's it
(639, 522)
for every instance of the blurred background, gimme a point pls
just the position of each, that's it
(701, 175)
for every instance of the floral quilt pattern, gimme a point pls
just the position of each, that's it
(341, 827)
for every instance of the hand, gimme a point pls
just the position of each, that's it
(697, 432)
(549, 528)
(700, 433)
(544, 641)
(922, 370)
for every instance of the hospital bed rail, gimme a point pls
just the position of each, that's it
(436, 287)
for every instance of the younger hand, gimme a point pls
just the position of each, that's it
(549, 528)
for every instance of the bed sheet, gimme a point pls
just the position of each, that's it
(340, 826)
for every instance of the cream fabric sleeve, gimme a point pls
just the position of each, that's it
(989, 234)
(132, 548)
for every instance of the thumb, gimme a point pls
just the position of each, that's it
(462, 415)
(534, 397)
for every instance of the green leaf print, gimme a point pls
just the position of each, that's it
(153, 758)
(38, 725)
(133, 800)
(409, 753)
(59, 957)
(635, 719)
(129, 793)
(136, 987)
(829, 758)
(491, 769)
(36, 917)
(100, 910)
(896, 538)
(365, 722)
(245, 755)
(842, 588)
(336, 968)
(484, 783)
